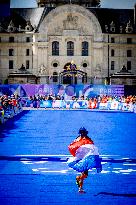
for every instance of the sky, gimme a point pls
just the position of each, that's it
(124, 4)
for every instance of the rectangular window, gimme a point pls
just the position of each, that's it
(27, 39)
(85, 46)
(55, 77)
(70, 48)
(112, 65)
(27, 64)
(129, 40)
(112, 40)
(112, 52)
(55, 48)
(129, 53)
(128, 65)
(11, 52)
(11, 39)
(11, 64)
(27, 52)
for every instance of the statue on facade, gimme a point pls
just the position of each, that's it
(22, 68)
(71, 22)
(124, 69)
(42, 70)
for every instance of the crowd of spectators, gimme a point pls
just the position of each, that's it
(92, 102)
(110, 99)
(9, 106)
(99, 98)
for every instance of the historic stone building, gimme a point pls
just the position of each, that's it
(69, 42)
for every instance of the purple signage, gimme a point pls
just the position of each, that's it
(68, 91)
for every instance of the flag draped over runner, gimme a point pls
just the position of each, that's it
(85, 155)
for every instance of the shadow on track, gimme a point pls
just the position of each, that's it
(115, 194)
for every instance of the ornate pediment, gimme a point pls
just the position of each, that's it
(129, 28)
(11, 27)
(28, 27)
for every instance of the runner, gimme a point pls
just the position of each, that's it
(85, 156)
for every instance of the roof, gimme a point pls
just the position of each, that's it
(119, 16)
(20, 16)
(58, 2)
(32, 14)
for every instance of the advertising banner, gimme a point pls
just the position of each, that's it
(67, 91)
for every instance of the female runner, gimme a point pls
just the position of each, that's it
(85, 156)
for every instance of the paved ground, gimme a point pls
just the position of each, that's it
(33, 154)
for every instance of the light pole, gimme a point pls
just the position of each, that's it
(108, 78)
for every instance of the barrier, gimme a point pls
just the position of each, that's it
(68, 104)
(80, 104)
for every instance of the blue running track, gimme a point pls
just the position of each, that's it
(33, 155)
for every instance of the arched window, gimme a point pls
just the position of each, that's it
(55, 77)
(70, 48)
(85, 48)
(55, 48)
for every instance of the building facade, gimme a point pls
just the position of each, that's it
(68, 42)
